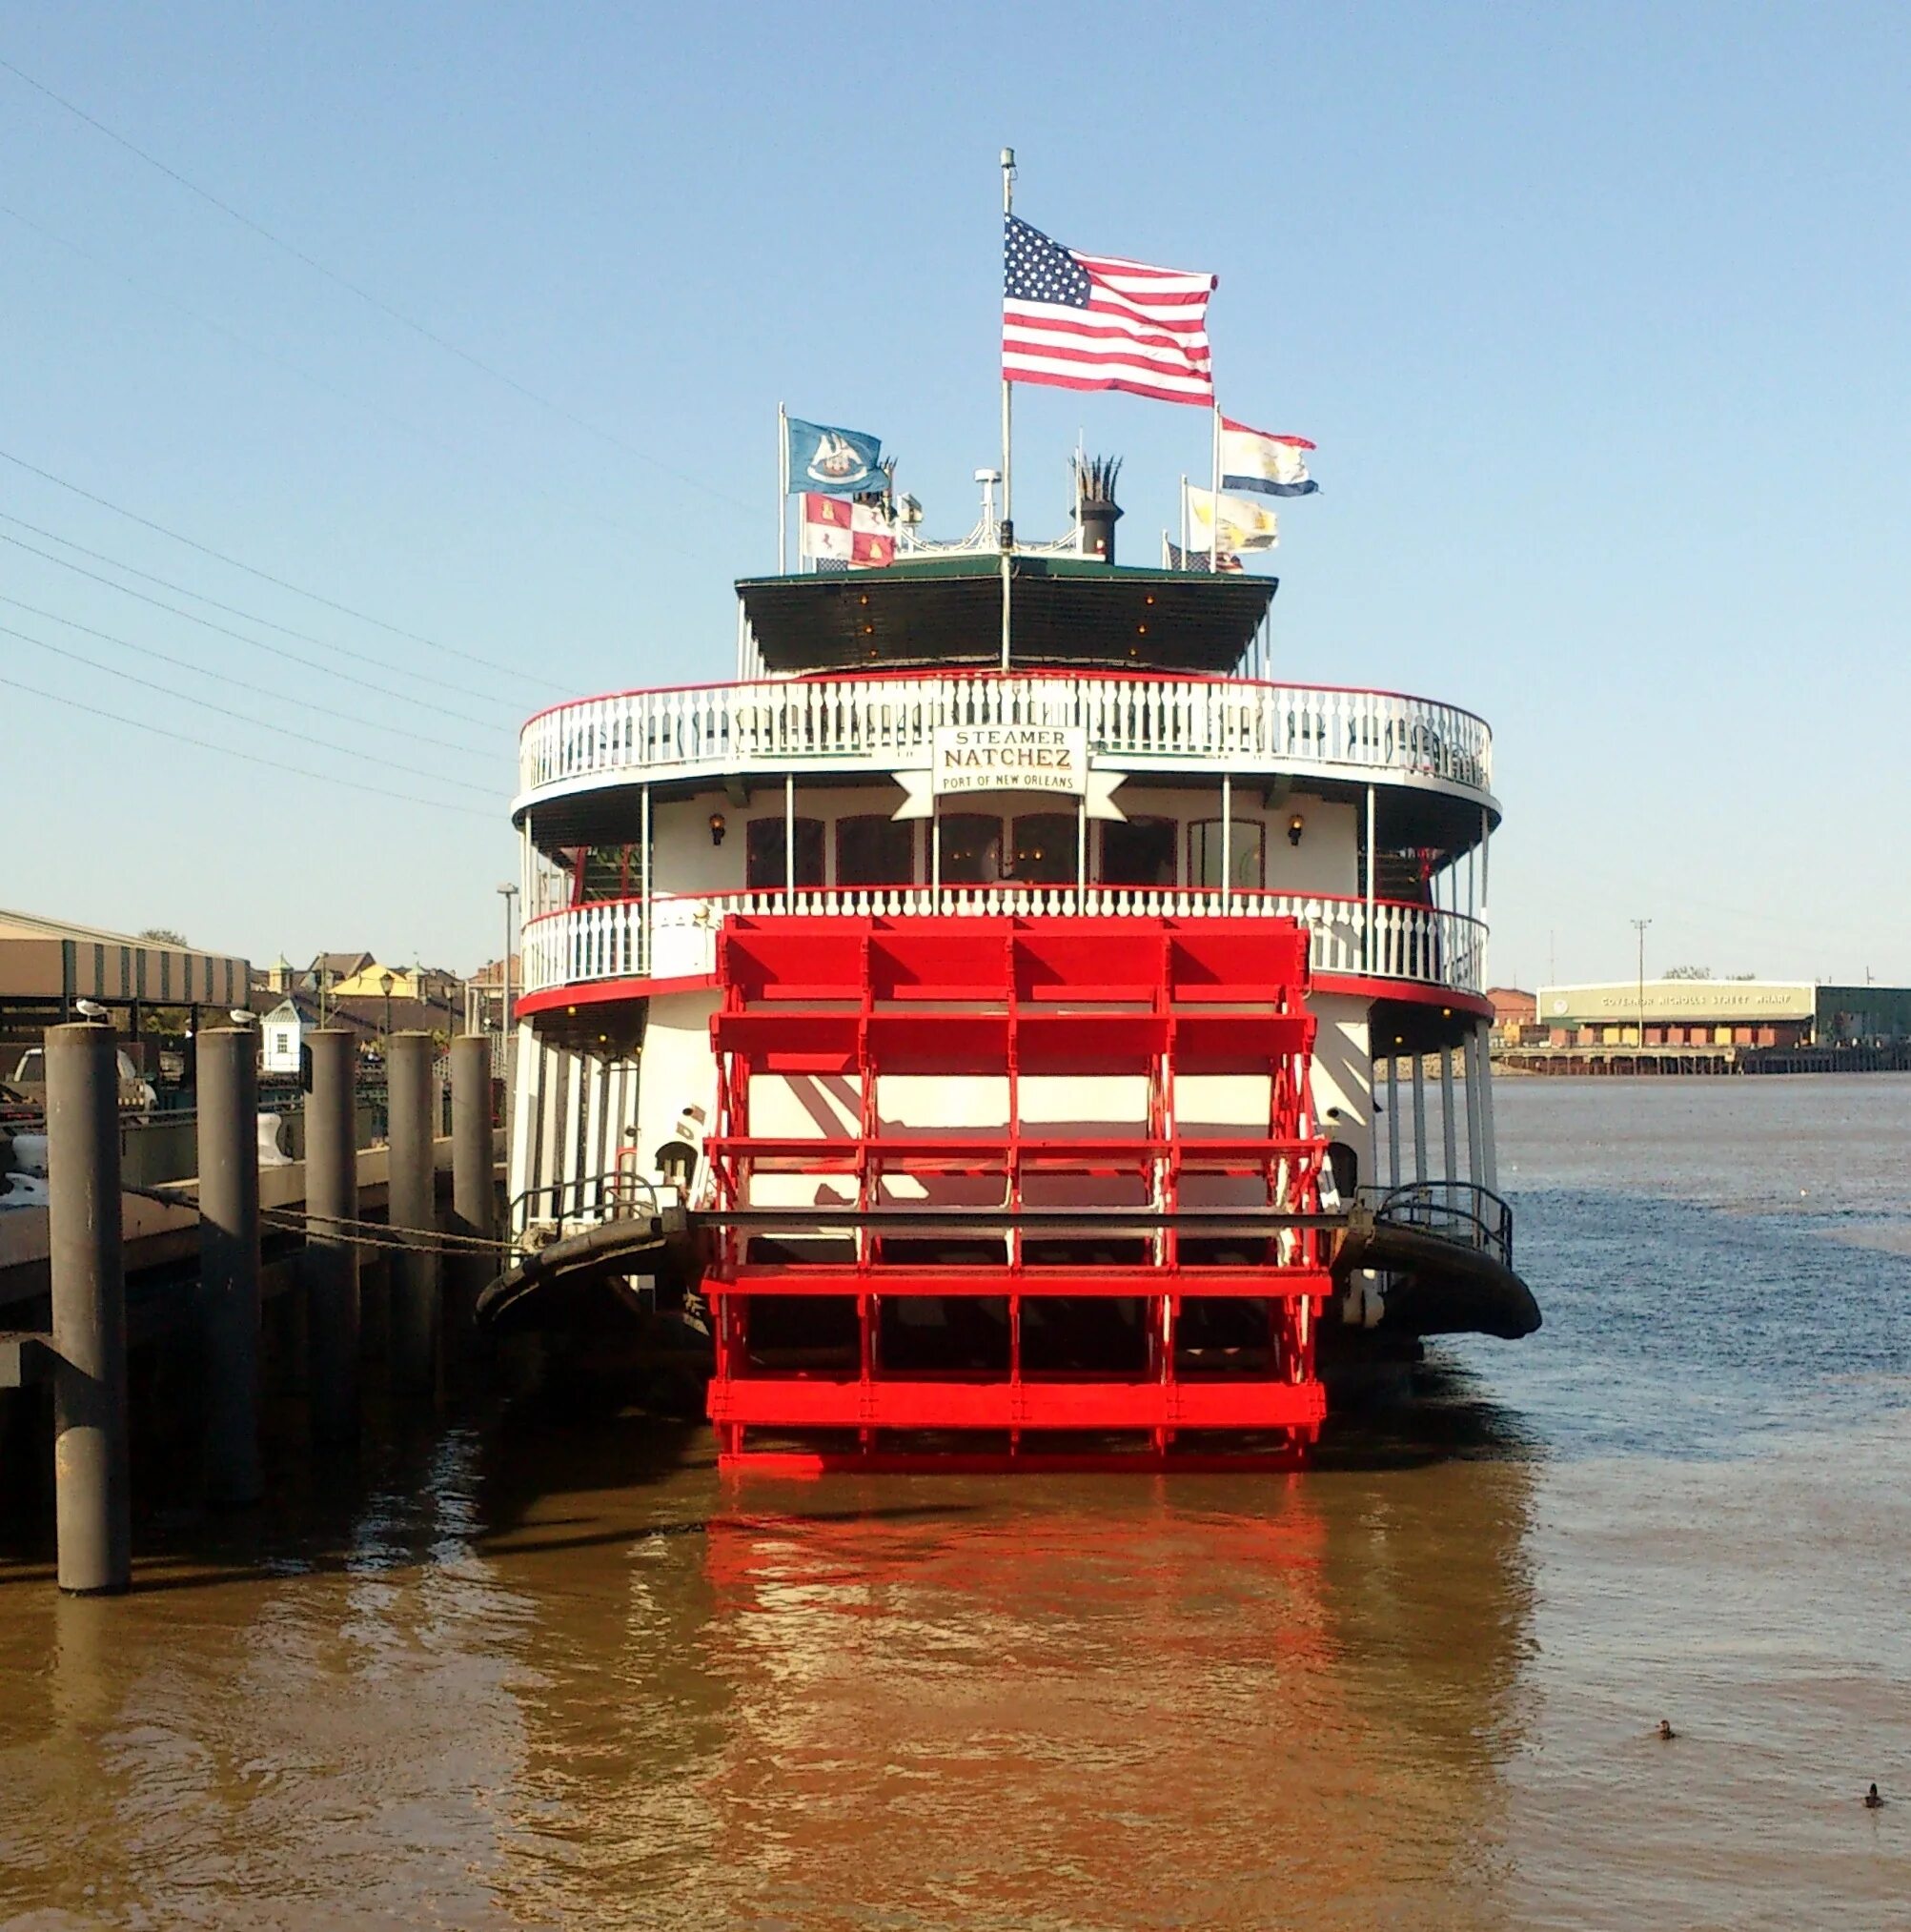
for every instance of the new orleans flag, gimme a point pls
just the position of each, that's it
(1267, 465)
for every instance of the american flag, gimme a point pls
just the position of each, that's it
(1203, 561)
(1090, 321)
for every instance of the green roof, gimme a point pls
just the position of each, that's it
(1063, 611)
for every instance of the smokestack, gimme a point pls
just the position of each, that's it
(1096, 510)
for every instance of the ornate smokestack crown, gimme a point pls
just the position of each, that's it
(1095, 507)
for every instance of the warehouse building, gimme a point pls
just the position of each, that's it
(1696, 1012)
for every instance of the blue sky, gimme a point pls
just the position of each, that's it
(1597, 314)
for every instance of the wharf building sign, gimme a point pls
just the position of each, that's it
(1023, 758)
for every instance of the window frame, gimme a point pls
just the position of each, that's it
(1012, 845)
(783, 841)
(1173, 826)
(1197, 883)
(905, 826)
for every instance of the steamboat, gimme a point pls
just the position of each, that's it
(1007, 1023)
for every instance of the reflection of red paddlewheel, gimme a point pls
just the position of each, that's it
(980, 1180)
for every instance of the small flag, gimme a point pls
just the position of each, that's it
(840, 461)
(1087, 321)
(1270, 465)
(845, 533)
(1200, 562)
(1245, 524)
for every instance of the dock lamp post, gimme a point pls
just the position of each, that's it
(509, 894)
(385, 983)
(1640, 927)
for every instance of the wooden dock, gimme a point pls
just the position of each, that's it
(1631, 1060)
(304, 1268)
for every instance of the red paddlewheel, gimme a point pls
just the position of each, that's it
(1013, 1277)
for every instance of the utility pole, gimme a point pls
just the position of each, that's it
(1640, 927)
(509, 894)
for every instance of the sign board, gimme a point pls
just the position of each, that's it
(1715, 1001)
(1002, 757)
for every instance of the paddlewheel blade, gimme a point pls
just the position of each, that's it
(991, 1192)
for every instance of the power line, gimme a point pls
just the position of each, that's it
(259, 644)
(213, 602)
(363, 722)
(365, 294)
(226, 750)
(265, 576)
(151, 292)
(225, 711)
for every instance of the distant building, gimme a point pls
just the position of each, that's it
(484, 994)
(48, 966)
(1691, 1012)
(1514, 1013)
(282, 1032)
(367, 982)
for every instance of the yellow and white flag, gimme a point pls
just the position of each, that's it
(1245, 524)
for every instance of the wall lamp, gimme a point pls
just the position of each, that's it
(716, 828)
(1296, 826)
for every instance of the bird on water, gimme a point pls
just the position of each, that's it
(1665, 1731)
(1872, 1800)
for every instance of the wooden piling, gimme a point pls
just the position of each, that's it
(92, 1507)
(411, 1098)
(331, 1254)
(229, 1262)
(473, 1168)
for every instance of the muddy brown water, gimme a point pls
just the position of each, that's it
(552, 1670)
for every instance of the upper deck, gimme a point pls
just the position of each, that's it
(859, 705)
(1139, 721)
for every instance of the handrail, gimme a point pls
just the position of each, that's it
(887, 719)
(771, 897)
(1460, 1211)
(611, 939)
(610, 1196)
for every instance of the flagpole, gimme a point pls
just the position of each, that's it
(1215, 503)
(1184, 522)
(1006, 532)
(1007, 207)
(783, 490)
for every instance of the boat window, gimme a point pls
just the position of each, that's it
(971, 849)
(1045, 848)
(1138, 853)
(1244, 854)
(765, 852)
(875, 850)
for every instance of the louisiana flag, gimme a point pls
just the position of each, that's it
(838, 460)
(839, 530)
(1268, 465)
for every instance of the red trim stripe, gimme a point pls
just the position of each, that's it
(1267, 436)
(1203, 398)
(1072, 321)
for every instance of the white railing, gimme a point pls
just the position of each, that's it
(608, 941)
(603, 942)
(1156, 721)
